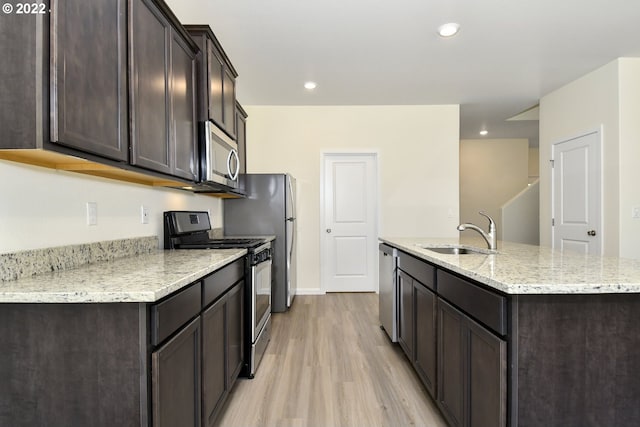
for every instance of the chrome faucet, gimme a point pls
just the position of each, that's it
(491, 237)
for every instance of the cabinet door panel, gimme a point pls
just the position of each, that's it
(235, 312)
(150, 79)
(183, 107)
(175, 379)
(241, 139)
(405, 324)
(215, 68)
(214, 340)
(451, 364)
(88, 76)
(487, 377)
(425, 333)
(229, 102)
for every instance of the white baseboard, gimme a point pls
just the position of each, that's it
(318, 291)
(310, 291)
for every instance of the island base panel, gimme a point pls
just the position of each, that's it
(578, 360)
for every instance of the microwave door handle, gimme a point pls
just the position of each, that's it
(233, 174)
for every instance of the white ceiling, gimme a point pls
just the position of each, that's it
(508, 54)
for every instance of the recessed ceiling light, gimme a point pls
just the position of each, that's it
(448, 30)
(484, 132)
(310, 85)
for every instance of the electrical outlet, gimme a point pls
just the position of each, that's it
(144, 214)
(635, 212)
(92, 213)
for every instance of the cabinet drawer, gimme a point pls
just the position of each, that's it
(418, 269)
(487, 307)
(175, 311)
(218, 282)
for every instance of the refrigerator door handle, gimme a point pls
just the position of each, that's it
(293, 205)
(293, 217)
(291, 222)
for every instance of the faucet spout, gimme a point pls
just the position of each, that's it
(490, 237)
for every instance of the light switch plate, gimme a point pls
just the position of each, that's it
(92, 213)
(144, 214)
(635, 212)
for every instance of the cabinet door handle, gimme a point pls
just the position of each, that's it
(328, 230)
(591, 232)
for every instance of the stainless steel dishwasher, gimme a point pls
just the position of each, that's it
(387, 289)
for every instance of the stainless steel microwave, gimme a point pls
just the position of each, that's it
(220, 163)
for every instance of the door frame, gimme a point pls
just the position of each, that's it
(599, 131)
(324, 155)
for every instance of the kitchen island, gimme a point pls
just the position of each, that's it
(527, 336)
(145, 339)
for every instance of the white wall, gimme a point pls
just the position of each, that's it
(43, 208)
(520, 216)
(534, 164)
(492, 171)
(607, 97)
(418, 165)
(629, 93)
(573, 110)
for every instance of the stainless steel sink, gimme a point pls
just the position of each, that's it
(458, 250)
(454, 251)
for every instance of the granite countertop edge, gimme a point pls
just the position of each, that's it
(527, 269)
(143, 278)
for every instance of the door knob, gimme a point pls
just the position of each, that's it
(328, 230)
(591, 232)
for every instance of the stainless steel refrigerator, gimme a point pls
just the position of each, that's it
(269, 209)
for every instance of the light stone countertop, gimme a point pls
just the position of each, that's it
(139, 278)
(527, 269)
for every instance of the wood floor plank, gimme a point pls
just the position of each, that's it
(330, 364)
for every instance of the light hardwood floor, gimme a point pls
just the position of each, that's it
(330, 364)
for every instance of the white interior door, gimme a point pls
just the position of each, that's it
(577, 196)
(349, 222)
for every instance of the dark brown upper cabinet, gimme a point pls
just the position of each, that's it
(241, 139)
(217, 80)
(101, 87)
(88, 76)
(163, 92)
(66, 86)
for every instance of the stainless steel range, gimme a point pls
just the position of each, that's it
(190, 230)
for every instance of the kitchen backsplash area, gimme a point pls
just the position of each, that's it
(36, 261)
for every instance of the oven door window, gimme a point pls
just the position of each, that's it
(261, 295)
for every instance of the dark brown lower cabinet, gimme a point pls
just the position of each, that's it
(213, 360)
(472, 371)
(526, 360)
(175, 373)
(405, 323)
(425, 335)
(235, 334)
(222, 350)
(73, 365)
(451, 364)
(163, 364)
(487, 377)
